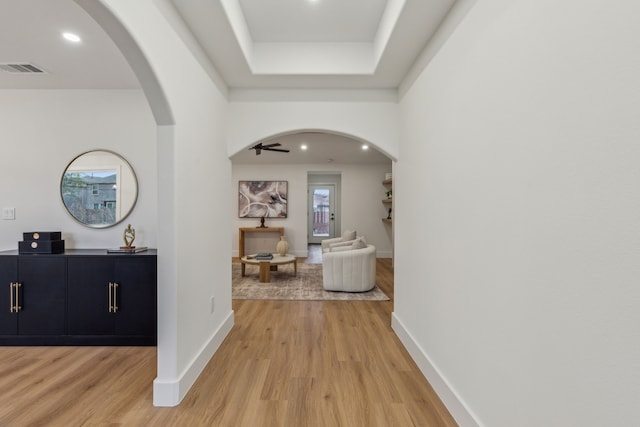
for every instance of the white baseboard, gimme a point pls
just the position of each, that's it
(449, 397)
(171, 393)
(384, 254)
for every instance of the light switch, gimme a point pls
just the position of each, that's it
(8, 213)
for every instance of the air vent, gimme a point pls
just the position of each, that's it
(22, 68)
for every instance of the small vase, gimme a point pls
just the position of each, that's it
(282, 246)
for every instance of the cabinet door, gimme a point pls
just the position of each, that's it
(43, 295)
(8, 274)
(136, 296)
(88, 295)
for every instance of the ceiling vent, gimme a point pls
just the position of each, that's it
(22, 68)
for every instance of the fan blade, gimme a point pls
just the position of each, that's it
(275, 144)
(259, 147)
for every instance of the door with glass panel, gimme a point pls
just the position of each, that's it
(322, 212)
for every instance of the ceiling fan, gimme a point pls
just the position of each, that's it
(268, 147)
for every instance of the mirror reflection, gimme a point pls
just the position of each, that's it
(99, 188)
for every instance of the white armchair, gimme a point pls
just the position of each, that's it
(349, 270)
(347, 238)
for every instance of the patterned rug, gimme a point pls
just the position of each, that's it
(285, 286)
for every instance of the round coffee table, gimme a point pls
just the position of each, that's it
(266, 265)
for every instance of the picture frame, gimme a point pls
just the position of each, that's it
(257, 199)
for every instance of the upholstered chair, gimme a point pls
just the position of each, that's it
(347, 238)
(349, 268)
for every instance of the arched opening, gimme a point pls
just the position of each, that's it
(177, 367)
(348, 168)
(189, 110)
(162, 113)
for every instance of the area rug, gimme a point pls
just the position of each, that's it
(307, 285)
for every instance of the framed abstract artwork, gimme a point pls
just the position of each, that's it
(257, 199)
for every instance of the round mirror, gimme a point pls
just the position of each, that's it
(99, 188)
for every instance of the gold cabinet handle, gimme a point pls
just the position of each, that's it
(110, 289)
(115, 297)
(13, 306)
(17, 286)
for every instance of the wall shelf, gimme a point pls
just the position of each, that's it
(388, 202)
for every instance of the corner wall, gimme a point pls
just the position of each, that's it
(521, 138)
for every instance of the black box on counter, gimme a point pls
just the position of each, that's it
(41, 247)
(42, 235)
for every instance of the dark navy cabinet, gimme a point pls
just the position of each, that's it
(80, 297)
(35, 291)
(112, 296)
(8, 279)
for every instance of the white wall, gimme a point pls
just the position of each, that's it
(192, 268)
(373, 122)
(42, 131)
(361, 203)
(517, 242)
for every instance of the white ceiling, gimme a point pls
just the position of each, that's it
(338, 44)
(253, 44)
(323, 148)
(31, 32)
(305, 21)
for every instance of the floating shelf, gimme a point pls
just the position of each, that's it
(387, 220)
(387, 200)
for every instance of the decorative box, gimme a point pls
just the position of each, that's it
(42, 235)
(41, 247)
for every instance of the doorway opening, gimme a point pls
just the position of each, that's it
(323, 211)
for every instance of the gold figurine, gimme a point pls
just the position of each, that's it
(129, 236)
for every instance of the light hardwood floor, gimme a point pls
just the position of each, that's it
(285, 363)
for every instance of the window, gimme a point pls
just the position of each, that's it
(94, 189)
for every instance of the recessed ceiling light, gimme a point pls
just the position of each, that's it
(303, 147)
(72, 37)
(365, 147)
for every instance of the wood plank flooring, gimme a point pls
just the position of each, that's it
(285, 363)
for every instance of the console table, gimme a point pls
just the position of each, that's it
(244, 230)
(79, 297)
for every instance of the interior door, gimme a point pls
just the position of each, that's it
(322, 212)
